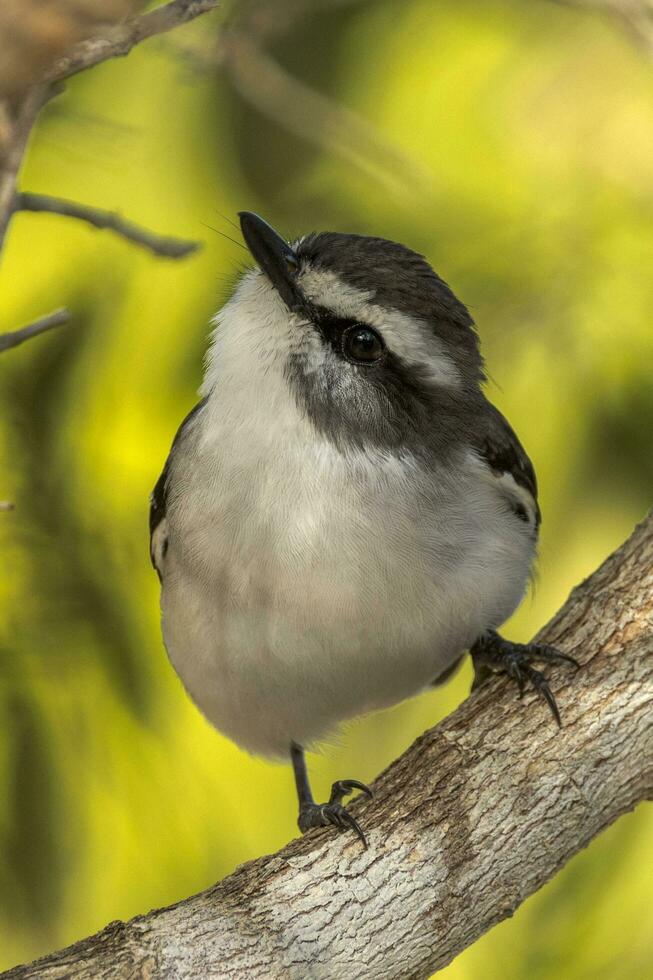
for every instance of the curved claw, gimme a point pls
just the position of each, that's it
(541, 685)
(343, 787)
(355, 826)
(517, 675)
(544, 652)
(492, 652)
(329, 814)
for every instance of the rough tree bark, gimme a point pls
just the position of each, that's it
(478, 814)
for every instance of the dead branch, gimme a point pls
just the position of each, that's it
(17, 117)
(478, 814)
(123, 37)
(33, 33)
(49, 322)
(172, 248)
(16, 124)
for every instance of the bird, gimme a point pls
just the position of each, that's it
(344, 515)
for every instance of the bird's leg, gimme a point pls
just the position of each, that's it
(491, 654)
(333, 813)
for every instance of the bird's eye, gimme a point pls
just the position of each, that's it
(362, 344)
(291, 261)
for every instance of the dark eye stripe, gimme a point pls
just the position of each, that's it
(334, 330)
(332, 326)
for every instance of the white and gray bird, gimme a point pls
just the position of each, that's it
(344, 514)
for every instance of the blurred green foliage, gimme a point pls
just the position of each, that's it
(527, 130)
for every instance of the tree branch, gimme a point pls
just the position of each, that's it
(478, 814)
(17, 120)
(314, 117)
(17, 123)
(119, 40)
(173, 248)
(34, 33)
(17, 337)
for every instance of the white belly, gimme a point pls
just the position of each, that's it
(290, 604)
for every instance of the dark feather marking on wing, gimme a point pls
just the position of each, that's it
(503, 452)
(159, 496)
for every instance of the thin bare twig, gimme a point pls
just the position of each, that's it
(16, 337)
(34, 33)
(16, 122)
(164, 245)
(19, 113)
(262, 82)
(120, 39)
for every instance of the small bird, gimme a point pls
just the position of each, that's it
(344, 514)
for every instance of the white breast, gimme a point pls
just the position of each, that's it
(306, 590)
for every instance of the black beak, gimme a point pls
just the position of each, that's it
(274, 255)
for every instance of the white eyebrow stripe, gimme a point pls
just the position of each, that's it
(403, 334)
(325, 288)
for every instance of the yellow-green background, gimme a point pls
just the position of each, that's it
(530, 130)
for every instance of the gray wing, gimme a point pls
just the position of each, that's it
(502, 451)
(159, 496)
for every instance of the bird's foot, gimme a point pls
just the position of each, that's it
(333, 813)
(492, 654)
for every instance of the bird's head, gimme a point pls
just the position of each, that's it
(373, 346)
